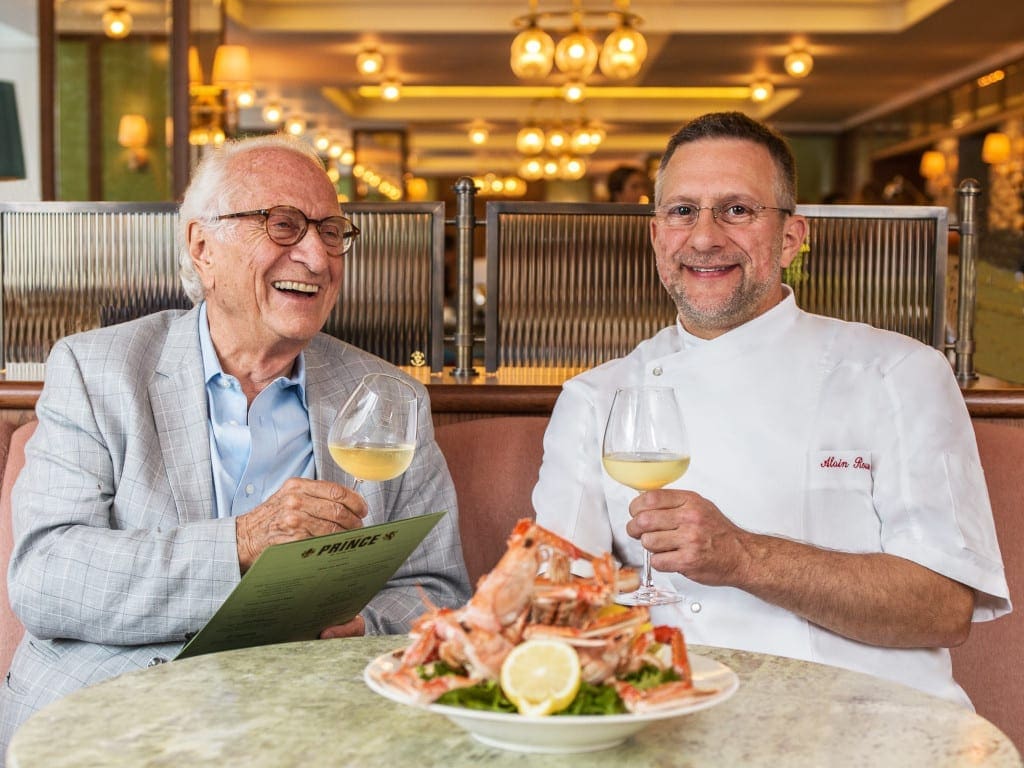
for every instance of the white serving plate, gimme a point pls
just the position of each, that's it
(560, 734)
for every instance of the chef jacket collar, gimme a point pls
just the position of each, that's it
(752, 333)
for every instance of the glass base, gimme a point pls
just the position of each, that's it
(650, 596)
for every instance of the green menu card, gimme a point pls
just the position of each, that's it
(295, 590)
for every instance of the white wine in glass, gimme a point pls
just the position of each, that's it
(373, 437)
(645, 447)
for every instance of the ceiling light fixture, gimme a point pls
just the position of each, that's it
(117, 22)
(391, 90)
(295, 125)
(478, 133)
(272, 113)
(534, 52)
(761, 90)
(369, 61)
(798, 63)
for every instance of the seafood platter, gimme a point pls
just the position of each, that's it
(542, 660)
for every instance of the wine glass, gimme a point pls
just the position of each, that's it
(373, 436)
(645, 447)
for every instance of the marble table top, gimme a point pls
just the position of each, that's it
(306, 704)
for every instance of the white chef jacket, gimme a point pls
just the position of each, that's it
(832, 433)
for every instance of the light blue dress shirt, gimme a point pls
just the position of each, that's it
(254, 449)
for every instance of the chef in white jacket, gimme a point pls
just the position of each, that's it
(835, 508)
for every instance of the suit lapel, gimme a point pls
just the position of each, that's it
(178, 398)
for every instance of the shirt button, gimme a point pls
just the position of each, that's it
(233, 422)
(224, 383)
(657, 370)
(156, 661)
(249, 489)
(695, 607)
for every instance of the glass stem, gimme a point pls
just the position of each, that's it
(356, 484)
(648, 577)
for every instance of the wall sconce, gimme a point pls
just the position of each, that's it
(369, 62)
(117, 22)
(996, 148)
(133, 135)
(12, 159)
(761, 90)
(214, 107)
(933, 164)
(798, 63)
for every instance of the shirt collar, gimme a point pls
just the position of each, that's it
(781, 314)
(212, 369)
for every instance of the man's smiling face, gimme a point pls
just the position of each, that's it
(720, 275)
(261, 295)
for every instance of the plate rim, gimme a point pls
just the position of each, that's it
(638, 718)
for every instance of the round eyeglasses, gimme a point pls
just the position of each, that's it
(734, 213)
(286, 225)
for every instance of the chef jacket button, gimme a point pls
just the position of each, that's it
(657, 370)
(695, 607)
(156, 661)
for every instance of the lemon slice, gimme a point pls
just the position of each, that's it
(541, 677)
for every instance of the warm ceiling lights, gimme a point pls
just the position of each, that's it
(574, 91)
(272, 113)
(534, 52)
(369, 61)
(117, 22)
(390, 90)
(478, 134)
(761, 90)
(295, 125)
(798, 63)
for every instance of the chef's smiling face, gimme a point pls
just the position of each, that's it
(723, 275)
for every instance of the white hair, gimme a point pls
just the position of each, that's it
(213, 186)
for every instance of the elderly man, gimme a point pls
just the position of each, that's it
(173, 449)
(835, 508)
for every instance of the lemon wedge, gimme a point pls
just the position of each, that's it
(541, 677)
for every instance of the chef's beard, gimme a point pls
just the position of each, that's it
(744, 304)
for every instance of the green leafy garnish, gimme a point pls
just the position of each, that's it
(649, 676)
(486, 695)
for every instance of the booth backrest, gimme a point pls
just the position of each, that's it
(989, 665)
(494, 464)
(14, 459)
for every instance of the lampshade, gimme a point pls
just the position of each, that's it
(933, 164)
(533, 53)
(996, 148)
(132, 131)
(12, 159)
(798, 63)
(231, 66)
(530, 140)
(576, 54)
(117, 22)
(623, 53)
(195, 68)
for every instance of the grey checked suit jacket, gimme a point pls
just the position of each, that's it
(118, 555)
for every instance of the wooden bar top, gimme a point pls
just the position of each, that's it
(534, 390)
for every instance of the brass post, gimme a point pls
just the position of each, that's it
(967, 292)
(465, 223)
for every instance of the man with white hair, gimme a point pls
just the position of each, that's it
(173, 449)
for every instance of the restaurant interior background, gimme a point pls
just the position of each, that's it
(897, 102)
